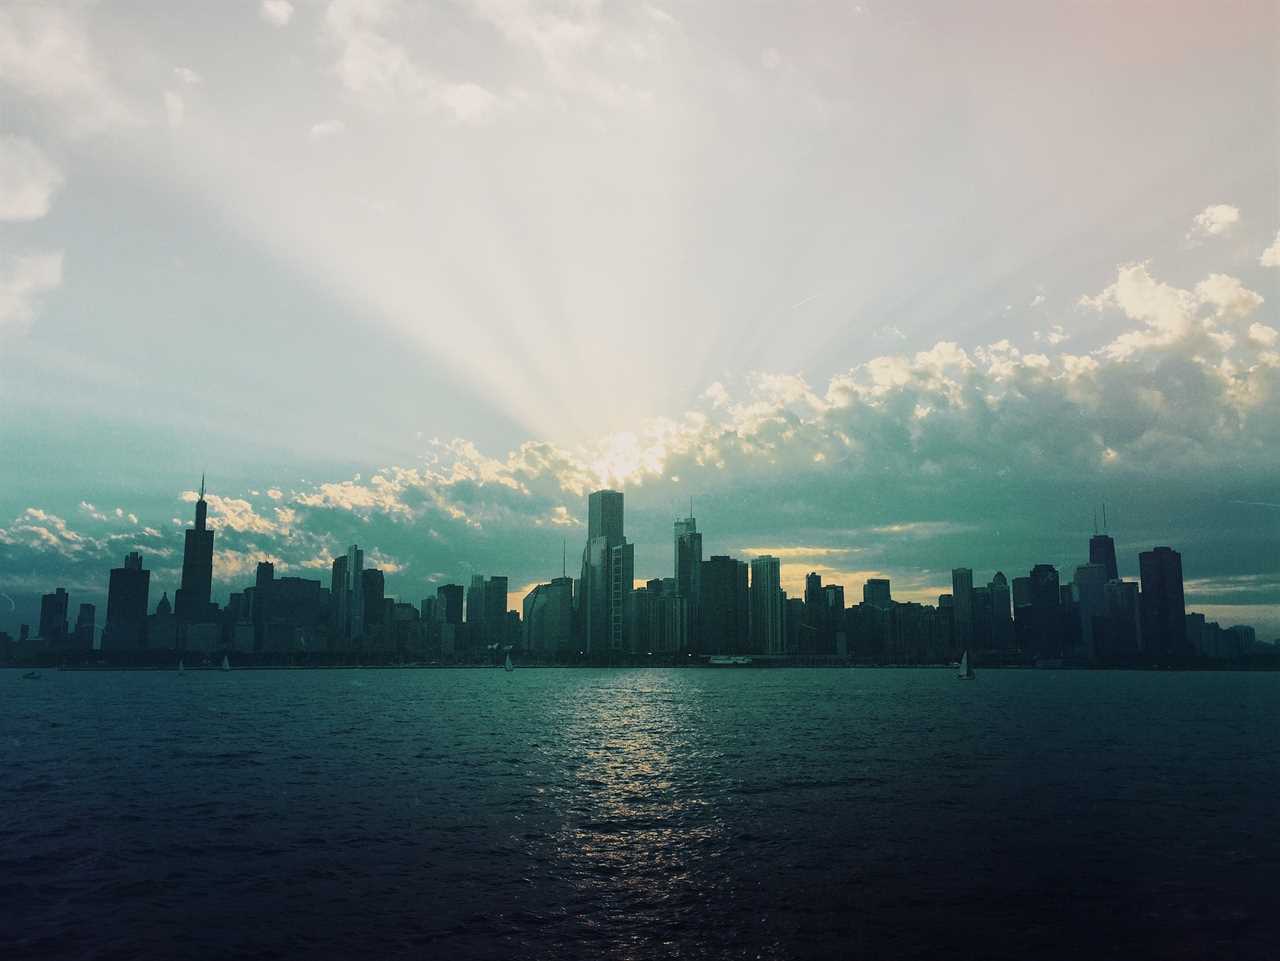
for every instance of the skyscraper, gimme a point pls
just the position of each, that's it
(1001, 619)
(191, 601)
(449, 603)
(962, 606)
(1164, 630)
(127, 592)
(85, 623)
(608, 569)
(53, 616)
(725, 614)
(548, 617)
(766, 598)
(688, 572)
(876, 593)
(1088, 590)
(1102, 550)
(346, 594)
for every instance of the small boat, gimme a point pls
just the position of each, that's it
(31, 676)
(508, 666)
(181, 669)
(966, 669)
(226, 665)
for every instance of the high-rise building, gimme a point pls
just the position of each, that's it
(1089, 592)
(191, 602)
(688, 572)
(449, 600)
(1001, 618)
(962, 606)
(86, 621)
(548, 617)
(1046, 620)
(127, 592)
(373, 589)
(495, 610)
(346, 597)
(1163, 606)
(53, 616)
(876, 593)
(725, 615)
(604, 516)
(813, 639)
(608, 569)
(1122, 630)
(1102, 550)
(475, 602)
(766, 600)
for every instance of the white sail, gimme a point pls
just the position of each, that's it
(181, 669)
(509, 666)
(226, 664)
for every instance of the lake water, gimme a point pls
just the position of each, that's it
(640, 814)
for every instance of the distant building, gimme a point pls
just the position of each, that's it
(876, 593)
(608, 572)
(449, 601)
(1089, 591)
(724, 608)
(962, 606)
(548, 617)
(346, 597)
(192, 602)
(766, 601)
(85, 624)
(1164, 629)
(1001, 613)
(53, 617)
(688, 572)
(127, 605)
(1102, 550)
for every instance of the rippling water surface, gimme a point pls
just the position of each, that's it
(639, 814)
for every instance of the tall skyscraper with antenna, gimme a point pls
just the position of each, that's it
(1102, 549)
(191, 601)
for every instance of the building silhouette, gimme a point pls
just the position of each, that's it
(687, 553)
(725, 612)
(766, 601)
(53, 617)
(608, 574)
(962, 607)
(191, 602)
(548, 617)
(1102, 551)
(876, 593)
(1163, 608)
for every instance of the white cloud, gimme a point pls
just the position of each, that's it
(45, 54)
(770, 59)
(278, 13)
(187, 76)
(1216, 220)
(326, 128)
(384, 74)
(175, 110)
(1038, 300)
(1271, 256)
(28, 180)
(23, 279)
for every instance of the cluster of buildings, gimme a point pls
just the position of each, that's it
(717, 605)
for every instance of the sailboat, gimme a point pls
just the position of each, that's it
(181, 669)
(226, 665)
(966, 670)
(508, 666)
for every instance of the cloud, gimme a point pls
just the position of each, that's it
(46, 55)
(1053, 336)
(326, 129)
(278, 13)
(28, 180)
(175, 110)
(770, 59)
(187, 76)
(382, 72)
(1216, 220)
(1271, 256)
(23, 280)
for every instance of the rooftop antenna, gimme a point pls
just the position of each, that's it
(564, 557)
(690, 505)
(1104, 516)
(1095, 520)
(202, 485)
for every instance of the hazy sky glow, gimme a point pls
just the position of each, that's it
(888, 288)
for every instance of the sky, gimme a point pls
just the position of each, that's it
(886, 288)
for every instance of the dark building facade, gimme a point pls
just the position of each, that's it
(1163, 607)
(725, 627)
(191, 602)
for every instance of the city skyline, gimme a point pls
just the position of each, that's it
(585, 250)
(706, 606)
